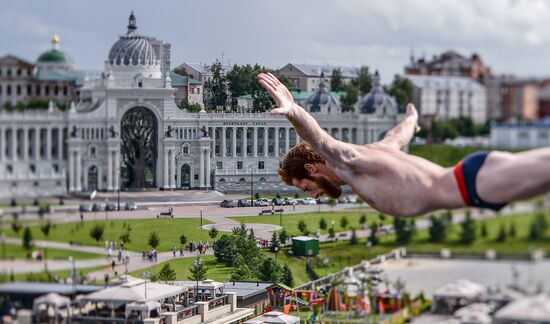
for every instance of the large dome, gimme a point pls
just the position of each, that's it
(377, 101)
(54, 58)
(322, 100)
(132, 48)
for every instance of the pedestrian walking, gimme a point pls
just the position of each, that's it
(181, 251)
(174, 251)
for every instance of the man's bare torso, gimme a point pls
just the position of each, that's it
(399, 184)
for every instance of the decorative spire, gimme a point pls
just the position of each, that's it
(55, 41)
(132, 26)
(376, 80)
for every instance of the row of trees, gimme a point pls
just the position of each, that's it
(34, 104)
(439, 130)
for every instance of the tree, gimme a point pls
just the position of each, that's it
(438, 229)
(322, 224)
(302, 227)
(468, 233)
(240, 230)
(96, 232)
(353, 240)
(166, 273)
(181, 71)
(213, 232)
(154, 239)
(501, 233)
(484, 231)
(382, 217)
(274, 244)
(362, 220)
(198, 271)
(336, 83)
(364, 80)
(269, 270)
(349, 97)
(512, 231)
(283, 237)
(331, 233)
(288, 278)
(183, 239)
(402, 89)
(27, 240)
(404, 230)
(373, 238)
(240, 81)
(538, 227)
(344, 222)
(125, 237)
(241, 272)
(216, 87)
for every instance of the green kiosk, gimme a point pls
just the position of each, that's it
(305, 246)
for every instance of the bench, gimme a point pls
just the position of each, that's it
(280, 210)
(167, 214)
(265, 211)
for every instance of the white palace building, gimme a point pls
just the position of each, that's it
(126, 132)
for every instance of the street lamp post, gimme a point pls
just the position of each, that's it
(126, 260)
(197, 266)
(276, 252)
(251, 186)
(106, 208)
(145, 275)
(118, 187)
(201, 219)
(73, 273)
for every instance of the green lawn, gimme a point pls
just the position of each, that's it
(13, 251)
(444, 155)
(216, 271)
(169, 230)
(290, 221)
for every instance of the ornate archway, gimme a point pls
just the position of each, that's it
(138, 128)
(185, 176)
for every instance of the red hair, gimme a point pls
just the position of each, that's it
(292, 166)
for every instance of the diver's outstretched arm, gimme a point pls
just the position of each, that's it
(401, 135)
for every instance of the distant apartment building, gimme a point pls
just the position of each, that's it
(307, 77)
(519, 100)
(544, 99)
(446, 97)
(450, 63)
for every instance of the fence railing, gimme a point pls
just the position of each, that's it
(187, 312)
(217, 302)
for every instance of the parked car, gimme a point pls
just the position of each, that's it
(344, 200)
(85, 208)
(243, 203)
(111, 207)
(289, 201)
(277, 201)
(309, 201)
(98, 207)
(262, 202)
(130, 206)
(322, 200)
(227, 204)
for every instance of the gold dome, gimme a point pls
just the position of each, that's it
(55, 39)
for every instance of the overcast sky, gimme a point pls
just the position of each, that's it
(512, 36)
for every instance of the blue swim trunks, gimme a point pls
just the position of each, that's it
(465, 173)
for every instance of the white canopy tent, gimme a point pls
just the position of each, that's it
(54, 300)
(274, 318)
(143, 308)
(532, 309)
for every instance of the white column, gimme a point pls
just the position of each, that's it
(276, 148)
(117, 170)
(234, 142)
(287, 139)
(224, 148)
(208, 168)
(109, 170)
(266, 135)
(165, 180)
(255, 146)
(244, 130)
(2, 145)
(37, 144)
(71, 171)
(59, 143)
(213, 151)
(14, 144)
(201, 168)
(25, 146)
(78, 186)
(173, 169)
(48, 143)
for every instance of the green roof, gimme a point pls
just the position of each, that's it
(54, 56)
(179, 80)
(61, 75)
